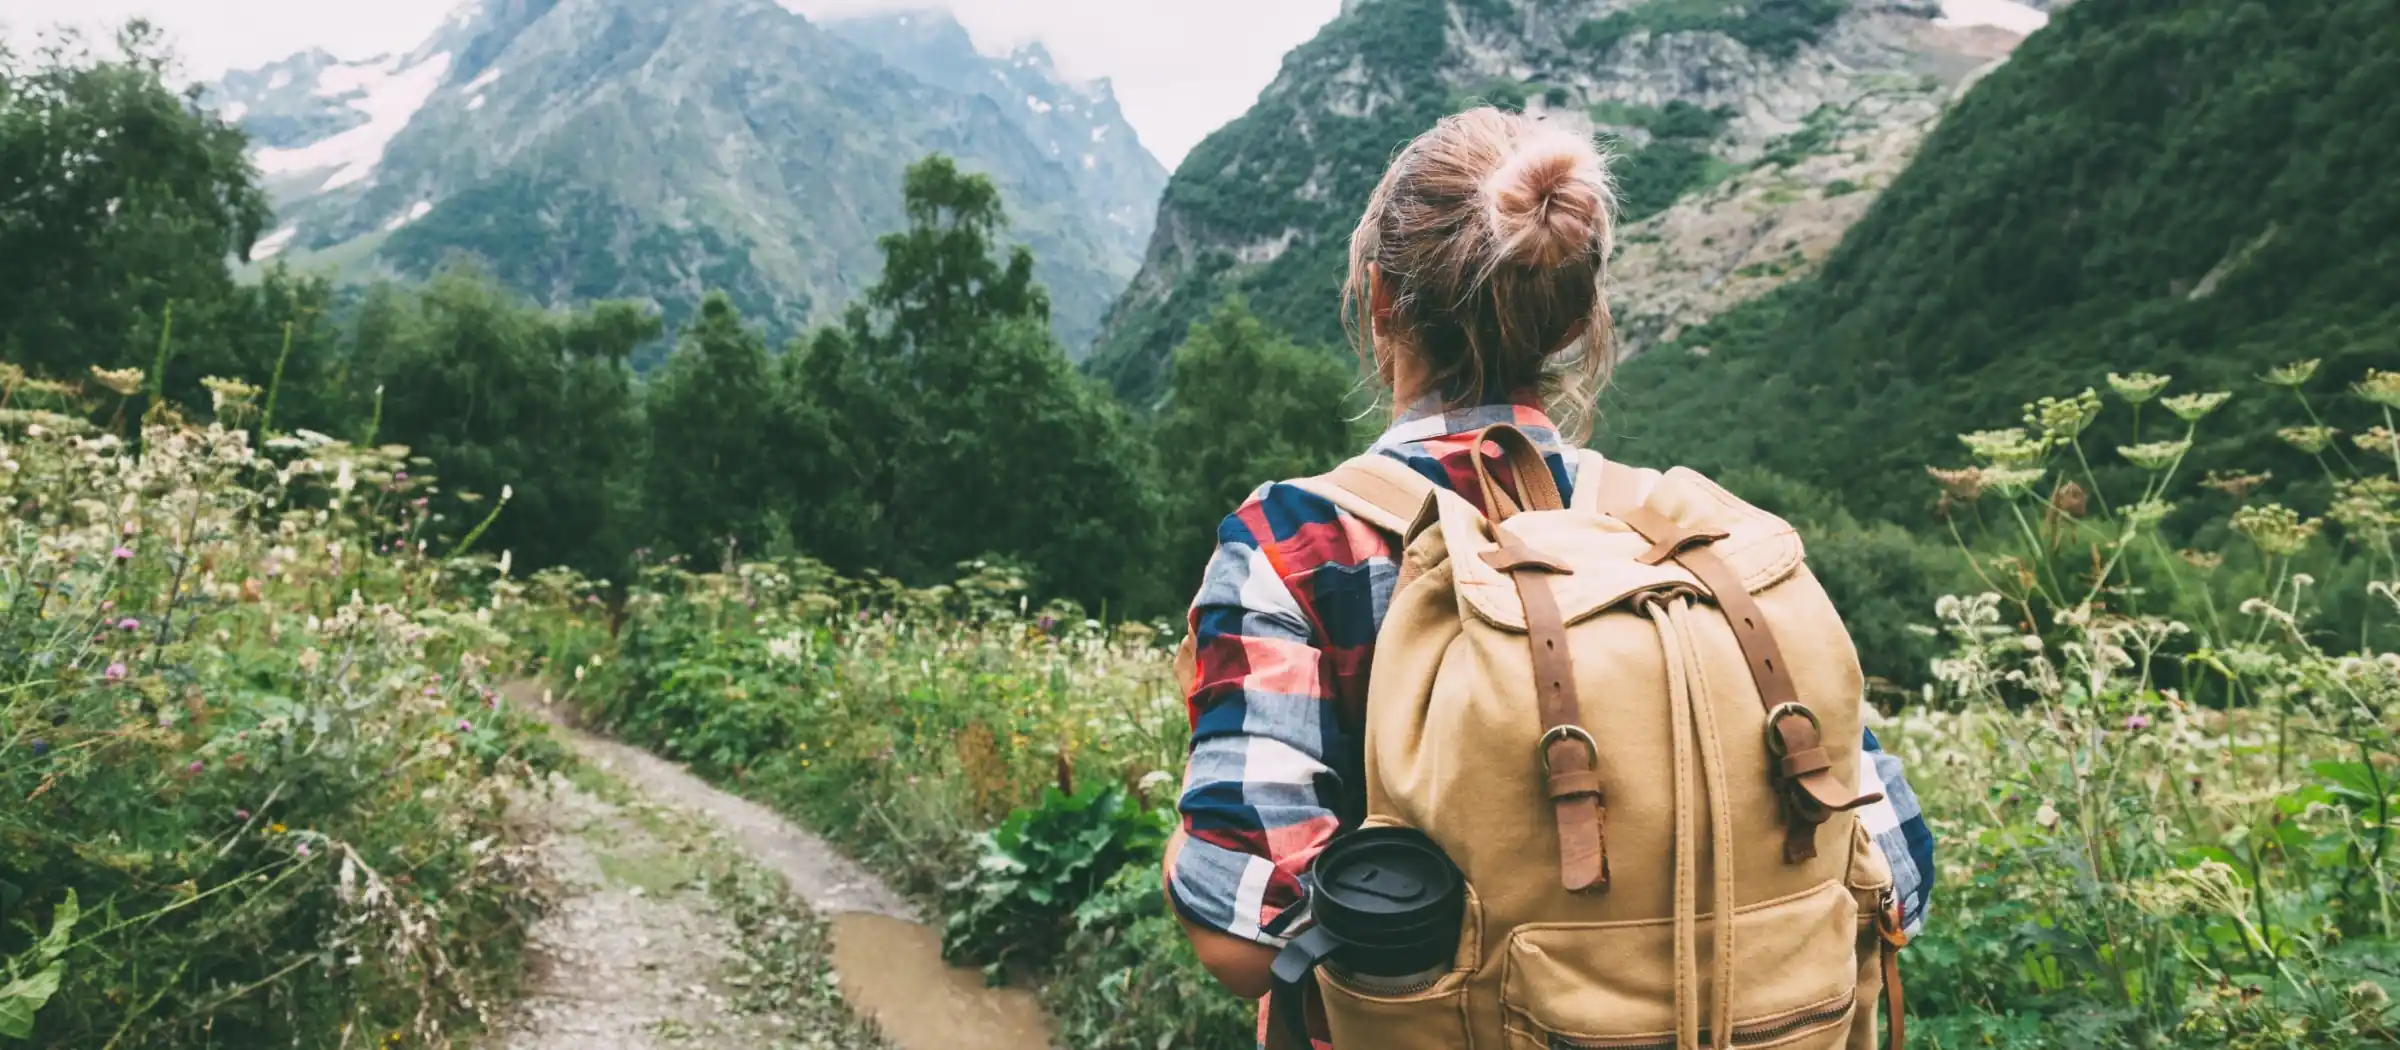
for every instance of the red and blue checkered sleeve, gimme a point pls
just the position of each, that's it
(1263, 777)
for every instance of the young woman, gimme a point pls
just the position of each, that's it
(1477, 294)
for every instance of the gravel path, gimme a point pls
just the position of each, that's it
(689, 917)
(633, 956)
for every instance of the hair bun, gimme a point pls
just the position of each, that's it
(1549, 202)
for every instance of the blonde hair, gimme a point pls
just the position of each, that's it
(1491, 233)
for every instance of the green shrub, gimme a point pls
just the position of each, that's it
(1127, 980)
(1778, 28)
(1034, 871)
(1655, 176)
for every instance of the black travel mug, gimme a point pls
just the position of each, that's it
(1385, 906)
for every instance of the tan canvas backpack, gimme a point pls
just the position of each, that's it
(1623, 720)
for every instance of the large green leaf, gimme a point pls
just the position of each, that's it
(62, 924)
(22, 997)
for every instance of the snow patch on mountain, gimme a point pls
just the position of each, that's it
(2010, 15)
(272, 244)
(389, 92)
(415, 211)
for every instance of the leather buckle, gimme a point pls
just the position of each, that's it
(1893, 931)
(1558, 733)
(1776, 748)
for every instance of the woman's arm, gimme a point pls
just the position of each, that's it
(1241, 966)
(1898, 825)
(1257, 793)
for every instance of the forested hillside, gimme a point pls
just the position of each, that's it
(1686, 92)
(2201, 188)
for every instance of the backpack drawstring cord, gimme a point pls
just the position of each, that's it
(1699, 769)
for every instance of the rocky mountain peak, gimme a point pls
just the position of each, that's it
(613, 148)
(1691, 95)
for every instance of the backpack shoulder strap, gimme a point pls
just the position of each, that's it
(1374, 488)
(1602, 486)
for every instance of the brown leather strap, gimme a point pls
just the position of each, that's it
(1282, 1034)
(1810, 793)
(1536, 489)
(1569, 761)
(1512, 556)
(1895, 1002)
(1669, 539)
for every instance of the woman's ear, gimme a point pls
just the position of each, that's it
(1379, 322)
(1574, 332)
(1379, 295)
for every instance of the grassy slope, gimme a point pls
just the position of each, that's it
(2060, 225)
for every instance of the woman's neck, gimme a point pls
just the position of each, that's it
(1407, 377)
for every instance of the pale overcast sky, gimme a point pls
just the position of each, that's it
(1182, 68)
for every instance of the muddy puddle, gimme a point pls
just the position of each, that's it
(892, 971)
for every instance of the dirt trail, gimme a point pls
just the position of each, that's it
(640, 955)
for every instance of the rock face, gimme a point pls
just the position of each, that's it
(584, 149)
(1749, 136)
(1741, 238)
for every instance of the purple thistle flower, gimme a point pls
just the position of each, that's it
(196, 766)
(2137, 723)
(301, 849)
(242, 815)
(116, 672)
(129, 624)
(465, 726)
(122, 554)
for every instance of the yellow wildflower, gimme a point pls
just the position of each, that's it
(2293, 374)
(123, 382)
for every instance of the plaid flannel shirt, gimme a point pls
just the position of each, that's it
(1284, 633)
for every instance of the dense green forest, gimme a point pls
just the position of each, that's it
(937, 422)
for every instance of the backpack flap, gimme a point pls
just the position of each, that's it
(1609, 567)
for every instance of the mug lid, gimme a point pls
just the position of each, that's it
(1377, 882)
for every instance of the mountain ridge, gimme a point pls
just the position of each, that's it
(585, 149)
(1689, 92)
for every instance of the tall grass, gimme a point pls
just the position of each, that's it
(253, 782)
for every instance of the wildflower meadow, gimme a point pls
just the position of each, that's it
(257, 775)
